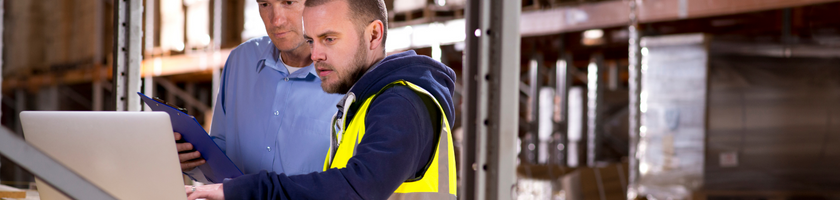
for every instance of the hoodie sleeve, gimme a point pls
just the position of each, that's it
(397, 144)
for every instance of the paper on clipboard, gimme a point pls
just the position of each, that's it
(218, 166)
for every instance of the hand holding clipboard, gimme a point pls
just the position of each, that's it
(218, 166)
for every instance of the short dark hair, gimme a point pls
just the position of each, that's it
(362, 12)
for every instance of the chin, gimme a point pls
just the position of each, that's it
(332, 89)
(287, 45)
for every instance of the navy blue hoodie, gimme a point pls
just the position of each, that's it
(398, 142)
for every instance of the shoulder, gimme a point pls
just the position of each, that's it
(400, 92)
(255, 46)
(247, 54)
(398, 100)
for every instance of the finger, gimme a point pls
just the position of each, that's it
(209, 192)
(193, 196)
(197, 194)
(188, 189)
(192, 164)
(177, 136)
(186, 146)
(184, 157)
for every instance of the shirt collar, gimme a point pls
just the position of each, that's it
(269, 59)
(301, 73)
(272, 59)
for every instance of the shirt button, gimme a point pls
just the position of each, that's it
(287, 79)
(276, 113)
(269, 149)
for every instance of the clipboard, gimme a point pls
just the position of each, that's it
(218, 166)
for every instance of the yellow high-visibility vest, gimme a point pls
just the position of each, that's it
(437, 182)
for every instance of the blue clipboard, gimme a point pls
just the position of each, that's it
(218, 166)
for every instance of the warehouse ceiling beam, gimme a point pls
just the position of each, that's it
(668, 10)
(582, 17)
(615, 13)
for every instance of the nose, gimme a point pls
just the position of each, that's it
(278, 17)
(317, 54)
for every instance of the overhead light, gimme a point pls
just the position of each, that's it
(593, 37)
(593, 34)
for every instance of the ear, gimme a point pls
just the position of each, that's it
(376, 32)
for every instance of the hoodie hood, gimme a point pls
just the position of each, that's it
(421, 70)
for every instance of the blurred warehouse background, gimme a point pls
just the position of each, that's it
(737, 99)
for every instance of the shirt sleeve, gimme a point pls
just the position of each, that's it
(397, 144)
(218, 127)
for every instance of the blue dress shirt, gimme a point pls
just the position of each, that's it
(268, 119)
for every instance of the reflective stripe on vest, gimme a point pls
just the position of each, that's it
(437, 182)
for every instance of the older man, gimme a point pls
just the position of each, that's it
(271, 113)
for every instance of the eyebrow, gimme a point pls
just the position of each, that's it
(328, 32)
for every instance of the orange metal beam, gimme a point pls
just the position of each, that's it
(575, 18)
(187, 63)
(160, 66)
(617, 13)
(667, 10)
(34, 82)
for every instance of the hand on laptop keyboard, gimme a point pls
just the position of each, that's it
(208, 192)
(190, 158)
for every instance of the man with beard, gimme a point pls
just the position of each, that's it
(271, 113)
(391, 137)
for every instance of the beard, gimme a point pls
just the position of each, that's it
(349, 76)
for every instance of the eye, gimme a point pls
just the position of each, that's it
(263, 5)
(289, 3)
(309, 41)
(329, 40)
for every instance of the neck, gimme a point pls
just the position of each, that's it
(298, 57)
(376, 58)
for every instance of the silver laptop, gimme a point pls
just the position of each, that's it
(130, 155)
